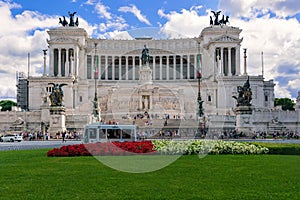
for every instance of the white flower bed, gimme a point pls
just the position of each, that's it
(206, 147)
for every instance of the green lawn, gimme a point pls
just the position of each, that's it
(31, 175)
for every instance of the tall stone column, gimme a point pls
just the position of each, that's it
(174, 67)
(154, 67)
(168, 68)
(113, 68)
(51, 62)
(126, 73)
(229, 62)
(59, 62)
(160, 67)
(188, 66)
(238, 61)
(181, 67)
(221, 61)
(67, 64)
(106, 67)
(133, 68)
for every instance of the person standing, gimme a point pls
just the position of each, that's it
(63, 135)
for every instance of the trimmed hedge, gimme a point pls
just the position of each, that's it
(280, 148)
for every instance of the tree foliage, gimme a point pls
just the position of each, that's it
(7, 104)
(286, 103)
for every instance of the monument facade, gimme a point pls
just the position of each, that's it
(158, 77)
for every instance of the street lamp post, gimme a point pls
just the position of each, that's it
(95, 101)
(199, 99)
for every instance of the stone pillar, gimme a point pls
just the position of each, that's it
(181, 67)
(244, 120)
(51, 62)
(195, 66)
(160, 67)
(45, 54)
(67, 66)
(106, 67)
(126, 73)
(245, 62)
(141, 103)
(168, 68)
(57, 120)
(153, 68)
(229, 62)
(71, 66)
(59, 63)
(174, 67)
(120, 67)
(238, 61)
(133, 67)
(221, 61)
(76, 60)
(188, 66)
(113, 68)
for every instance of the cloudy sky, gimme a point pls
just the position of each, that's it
(271, 27)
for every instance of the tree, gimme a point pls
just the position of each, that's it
(286, 103)
(7, 104)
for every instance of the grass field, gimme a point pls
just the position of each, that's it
(31, 175)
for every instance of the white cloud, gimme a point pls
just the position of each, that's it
(253, 8)
(121, 35)
(102, 10)
(294, 84)
(134, 10)
(25, 33)
(282, 91)
(277, 37)
(185, 23)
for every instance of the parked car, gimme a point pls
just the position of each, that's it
(11, 138)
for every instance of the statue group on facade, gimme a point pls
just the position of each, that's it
(216, 21)
(64, 22)
(244, 97)
(145, 55)
(56, 96)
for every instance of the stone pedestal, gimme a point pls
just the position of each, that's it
(57, 120)
(244, 120)
(145, 73)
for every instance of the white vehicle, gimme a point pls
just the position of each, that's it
(11, 138)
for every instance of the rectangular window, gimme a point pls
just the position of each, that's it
(266, 98)
(209, 98)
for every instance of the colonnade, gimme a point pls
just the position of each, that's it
(227, 60)
(164, 67)
(63, 62)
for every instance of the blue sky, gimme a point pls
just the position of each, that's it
(269, 26)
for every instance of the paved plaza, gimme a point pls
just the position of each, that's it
(4, 146)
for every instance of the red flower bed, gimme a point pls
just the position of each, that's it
(103, 149)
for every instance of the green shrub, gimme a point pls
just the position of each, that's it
(280, 148)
